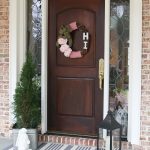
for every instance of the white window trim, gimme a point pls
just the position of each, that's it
(106, 62)
(18, 49)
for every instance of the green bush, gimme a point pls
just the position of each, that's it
(27, 98)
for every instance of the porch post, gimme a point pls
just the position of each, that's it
(135, 50)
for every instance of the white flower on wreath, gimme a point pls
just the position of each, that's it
(62, 41)
(64, 47)
(67, 52)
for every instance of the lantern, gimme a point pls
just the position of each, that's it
(110, 124)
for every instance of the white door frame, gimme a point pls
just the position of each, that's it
(18, 48)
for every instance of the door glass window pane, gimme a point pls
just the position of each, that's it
(34, 31)
(118, 81)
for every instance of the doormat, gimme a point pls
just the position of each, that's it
(58, 146)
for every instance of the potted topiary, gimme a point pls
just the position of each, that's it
(26, 103)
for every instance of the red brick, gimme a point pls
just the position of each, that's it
(4, 68)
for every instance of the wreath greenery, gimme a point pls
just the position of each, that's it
(64, 32)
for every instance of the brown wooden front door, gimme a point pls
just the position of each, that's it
(75, 102)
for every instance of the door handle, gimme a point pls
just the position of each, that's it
(101, 72)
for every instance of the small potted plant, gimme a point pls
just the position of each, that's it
(26, 103)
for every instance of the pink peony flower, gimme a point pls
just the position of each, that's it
(62, 41)
(73, 26)
(63, 48)
(67, 52)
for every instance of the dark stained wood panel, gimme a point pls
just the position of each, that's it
(78, 125)
(77, 98)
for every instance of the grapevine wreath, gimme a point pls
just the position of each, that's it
(64, 41)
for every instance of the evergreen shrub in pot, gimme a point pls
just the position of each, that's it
(27, 102)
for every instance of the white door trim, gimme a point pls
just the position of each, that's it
(106, 58)
(44, 64)
(106, 61)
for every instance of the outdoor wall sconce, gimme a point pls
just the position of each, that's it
(110, 124)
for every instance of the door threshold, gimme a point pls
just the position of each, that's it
(70, 134)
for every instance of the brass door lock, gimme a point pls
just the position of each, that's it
(101, 72)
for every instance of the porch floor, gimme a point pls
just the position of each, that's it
(5, 143)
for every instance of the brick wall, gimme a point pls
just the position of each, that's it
(4, 68)
(145, 102)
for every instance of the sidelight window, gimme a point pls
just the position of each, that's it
(119, 62)
(34, 30)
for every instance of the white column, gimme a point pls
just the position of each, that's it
(135, 49)
(17, 47)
